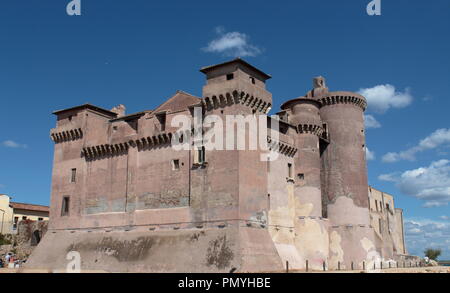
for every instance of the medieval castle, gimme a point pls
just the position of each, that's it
(128, 202)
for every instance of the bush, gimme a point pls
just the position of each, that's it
(432, 253)
(4, 240)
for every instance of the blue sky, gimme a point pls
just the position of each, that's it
(140, 52)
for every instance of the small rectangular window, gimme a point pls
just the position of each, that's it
(201, 155)
(73, 177)
(381, 226)
(65, 206)
(301, 176)
(24, 218)
(230, 76)
(175, 165)
(376, 204)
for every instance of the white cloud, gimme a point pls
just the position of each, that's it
(371, 122)
(13, 144)
(422, 234)
(370, 156)
(388, 177)
(233, 44)
(436, 139)
(381, 98)
(431, 184)
(434, 204)
(445, 218)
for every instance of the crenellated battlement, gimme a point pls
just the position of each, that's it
(310, 129)
(236, 97)
(334, 98)
(66, 135)
(281, 147)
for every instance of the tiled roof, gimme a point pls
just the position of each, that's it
(29, 207)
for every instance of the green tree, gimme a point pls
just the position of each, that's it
(432, 253)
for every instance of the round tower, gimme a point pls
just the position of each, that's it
(304, 115)
(344, 180)
(344, 158)
(311, 238)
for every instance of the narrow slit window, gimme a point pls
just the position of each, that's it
(65, 206)
(290, 170)
(73, 176)
(201, 155)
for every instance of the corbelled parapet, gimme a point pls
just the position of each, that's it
(236, 83)
(59, 136)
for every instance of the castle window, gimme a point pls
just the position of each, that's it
(40, 219)
(376, 204)
(70, 118)
(24, 218)
(65, 206)
(175, 165)
(252, 80)
(230, 76)
(301, 176)
(290, 170)
(381, 226)
(201, 155)
(162, 121)
(73, 177)
(268, 201)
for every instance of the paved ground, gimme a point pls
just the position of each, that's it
(428, 270)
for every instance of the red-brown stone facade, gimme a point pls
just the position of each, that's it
(126, 200)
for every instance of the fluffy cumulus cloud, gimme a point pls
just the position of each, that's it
(234, 44)
(440, 137)
(422, 234)
(13, 144)
(371, 122)
(381, 98)
(370, 156)
(430, 184)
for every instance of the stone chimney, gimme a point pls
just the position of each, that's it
(120, 110)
